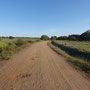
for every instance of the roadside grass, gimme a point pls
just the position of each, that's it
(7, 51)
(3, 44)
(8, 48)
(84, 66)
(75, 48)
(83, 46)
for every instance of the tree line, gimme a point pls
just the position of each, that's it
(74, 37)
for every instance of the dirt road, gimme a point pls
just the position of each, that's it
(39, 68)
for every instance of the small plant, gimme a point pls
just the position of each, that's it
(20, 42)
(30, 41)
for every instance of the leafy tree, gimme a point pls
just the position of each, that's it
(53, 38)
(74, 37)
(85, 36)
(11, 37)
(62, 38)
(44, 37)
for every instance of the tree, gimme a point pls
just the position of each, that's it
(85, 36)
(44, 37)
(53, 38)
(11, 37)
(62, 38)
(74, 37)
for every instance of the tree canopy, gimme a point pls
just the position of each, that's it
(44, 37)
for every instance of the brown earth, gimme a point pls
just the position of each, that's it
(40, 68)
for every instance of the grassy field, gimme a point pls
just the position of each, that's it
(75, 48)
(82, 46)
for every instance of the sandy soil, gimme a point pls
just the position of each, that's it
(40, 68)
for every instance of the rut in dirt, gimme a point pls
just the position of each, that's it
(40, 68)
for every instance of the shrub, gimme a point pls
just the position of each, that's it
(30, 41)
(20, 42)
(6, 52)
(44, 37)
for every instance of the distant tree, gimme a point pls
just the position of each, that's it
(53, 38)
(85, 36)
(62, 38)
(74, 37)
(11, 37)
(44, 37)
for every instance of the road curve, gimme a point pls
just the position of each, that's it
(40, 68)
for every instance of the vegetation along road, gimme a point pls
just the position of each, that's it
(40, 68)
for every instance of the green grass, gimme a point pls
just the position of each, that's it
(9, 47)
(82, 46)
(84, 66)
(75, 48)
(3, 44)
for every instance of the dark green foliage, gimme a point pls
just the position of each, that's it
(62, 38)
(11, 37)
(53, 38)
(85, 36)
(44, 37)
(74, 37)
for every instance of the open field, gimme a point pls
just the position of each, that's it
(39, 68)
(75, 48)
(80, 45)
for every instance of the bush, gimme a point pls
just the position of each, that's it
(6, 52)
(30, 41)
(44, 37)
(20, 42)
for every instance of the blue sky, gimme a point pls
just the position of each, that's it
(36, 17)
